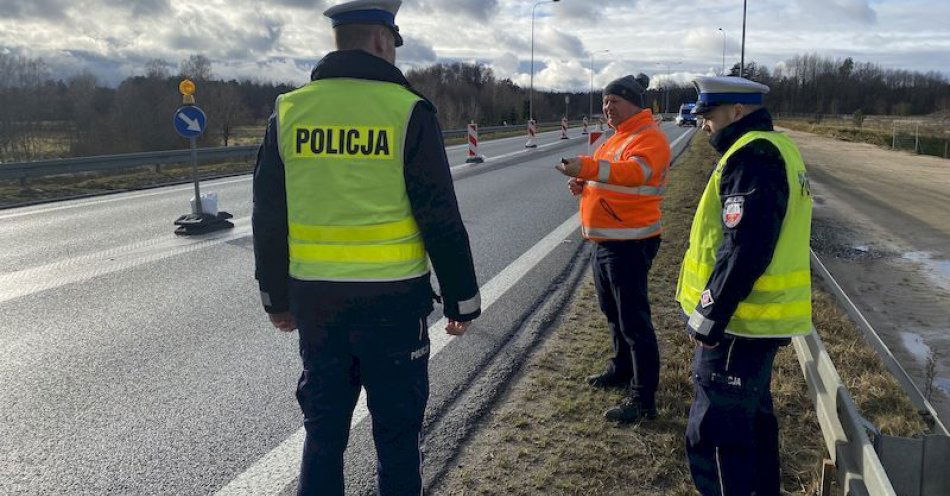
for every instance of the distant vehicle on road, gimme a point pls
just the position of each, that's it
(686, 117)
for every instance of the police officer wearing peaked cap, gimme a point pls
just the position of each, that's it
(353, 200)
(745, 286)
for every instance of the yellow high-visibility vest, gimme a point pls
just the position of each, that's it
(349, 217)
(780, 302)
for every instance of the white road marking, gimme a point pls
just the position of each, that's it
(681, 138)
(279, 467)
(86, 202)
(456, 168)
(83, 267)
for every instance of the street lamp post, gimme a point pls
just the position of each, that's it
(590, 110)
(531, 90)
(669, 77)
(722, 72)
(742, 58)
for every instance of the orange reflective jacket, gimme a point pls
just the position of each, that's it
(625, 182)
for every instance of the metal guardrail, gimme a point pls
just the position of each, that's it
(878, 464)
(40, 168)
(860, 472)
(23, 171)
(871, 336)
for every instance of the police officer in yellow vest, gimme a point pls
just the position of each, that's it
(353, 199)
(745, 285)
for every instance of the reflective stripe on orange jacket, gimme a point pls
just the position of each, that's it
(625, 182)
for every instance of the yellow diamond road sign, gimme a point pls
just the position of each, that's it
(186, 87)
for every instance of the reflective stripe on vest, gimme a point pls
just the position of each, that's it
(349, 218)
(779, 304)
(622, 233)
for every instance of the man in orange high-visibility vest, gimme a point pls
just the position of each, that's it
(621, 188)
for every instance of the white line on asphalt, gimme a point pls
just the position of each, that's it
(681, 137)
(85, 202)
(83, 267)
(456, 168)
(279, 467)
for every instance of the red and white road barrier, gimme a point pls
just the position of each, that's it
(563, 127)
(532, 132)
(473, 156)
(594, 140)
(585, 126)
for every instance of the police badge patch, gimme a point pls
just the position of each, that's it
(732, 211)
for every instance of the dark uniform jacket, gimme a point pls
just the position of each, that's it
(757, 173)
(434, 206)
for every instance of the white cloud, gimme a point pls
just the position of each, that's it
(114, 38)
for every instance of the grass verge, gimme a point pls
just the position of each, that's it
(58, 187)
(547, 434)
(930, 144)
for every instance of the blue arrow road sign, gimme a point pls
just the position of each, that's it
(190, 121)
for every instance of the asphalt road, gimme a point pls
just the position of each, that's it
(136, 362)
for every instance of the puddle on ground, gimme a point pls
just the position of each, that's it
(943, 384)
(915, 344)
(938, 269)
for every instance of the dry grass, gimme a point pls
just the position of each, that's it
(53, 187)
(875, 391)
(934, 135)
(548, 436)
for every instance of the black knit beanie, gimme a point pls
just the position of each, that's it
(629, 88)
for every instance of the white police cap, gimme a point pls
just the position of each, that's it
(718, 90)
(367, 12)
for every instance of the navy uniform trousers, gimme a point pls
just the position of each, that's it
(620, 276)
(391, 362)
(732, 433)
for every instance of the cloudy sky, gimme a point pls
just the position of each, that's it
(281, 39)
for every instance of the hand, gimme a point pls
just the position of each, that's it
(457, 328)
(700, 343)
(569, 166)
(283, 321)
(576, 185)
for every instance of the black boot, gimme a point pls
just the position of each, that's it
(631, 409)
(607, 380)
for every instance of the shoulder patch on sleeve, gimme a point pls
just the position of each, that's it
(706, 299)
(733, 210)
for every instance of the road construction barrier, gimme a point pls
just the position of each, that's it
(869, 463)
(473, 156)
(584, 131)
(564, 128)
(532, 133)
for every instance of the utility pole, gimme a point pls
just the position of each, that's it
(531, 90)
(742, 58)
(590, 110)
(722, 71)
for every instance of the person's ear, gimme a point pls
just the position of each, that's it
(379, 41)
(736, 112)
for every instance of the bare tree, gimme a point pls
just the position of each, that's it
(157, 69)
(197, 67)
(23, 94)
(225, 107)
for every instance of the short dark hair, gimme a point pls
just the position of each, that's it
(355, 36)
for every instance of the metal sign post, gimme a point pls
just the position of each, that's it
(190, 121)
